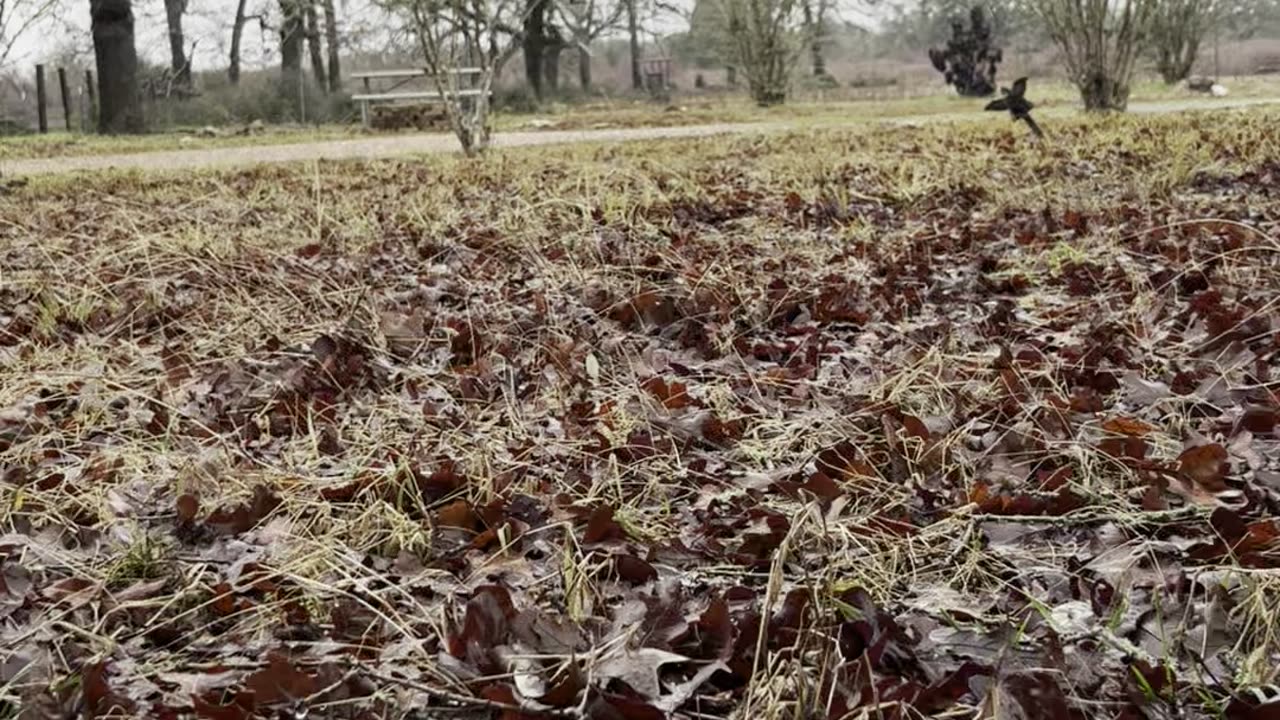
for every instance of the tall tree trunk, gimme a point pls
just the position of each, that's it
(119, 96)
(237, 30)
(551, 62)
(1175, 59)
(313, 45)
(813, 26)
(331, 40)
(173, 10)
(291, 36)
(1101, 92)
(533, 45)
(633, 29)
(551, 68)
(584, 68)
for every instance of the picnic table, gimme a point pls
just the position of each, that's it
(400, 78)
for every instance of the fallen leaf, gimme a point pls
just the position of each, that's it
(1206, 466)
(1127, 426)
(638, 668)
(601, 526)
(188, 507)
(279, 681)
(458, 514)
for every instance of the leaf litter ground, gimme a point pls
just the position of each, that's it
(893, 424)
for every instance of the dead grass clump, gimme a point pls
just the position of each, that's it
(846, 423)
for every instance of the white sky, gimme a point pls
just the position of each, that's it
(208, 24)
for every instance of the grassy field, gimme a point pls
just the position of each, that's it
(808, 108)
(839, 423)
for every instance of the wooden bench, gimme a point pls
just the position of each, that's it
(401, 78)
(656, 74)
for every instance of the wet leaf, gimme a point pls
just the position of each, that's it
(188, 507)
(279, 681)
(638, 669)
(601, 526)
(633, 570)
(458, 514)
(1206, 466)
(244, 517)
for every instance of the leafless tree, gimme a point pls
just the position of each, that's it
(1177, 29)
(1101, 41)
(480, 34)
(766, 38)
(815, 18)
(179, 62)
(116, 58)
(292, 33)
(314, 48)
(586, 21)
(331, 40)
(633, 35)
(242, 19)
(237, 32)
(17, 17)
(540, 43)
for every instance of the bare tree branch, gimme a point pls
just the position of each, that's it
(17, 18)
(1100, 41)
(766, 40)
(453, 34)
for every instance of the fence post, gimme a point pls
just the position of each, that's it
(41, 99)
(66, 97)
(92, 92)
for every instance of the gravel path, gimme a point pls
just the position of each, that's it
(441, 143)
(367, 148)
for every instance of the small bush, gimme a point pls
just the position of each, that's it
(872, 81)
(415, 117)
(9, 127)
(824, 81)
(257, 97)
(514, 99)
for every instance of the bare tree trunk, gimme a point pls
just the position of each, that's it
(551, 69)
(1175, 66)
(331, 40)
(119, 99)
(584, 68)
(1100, 43)
(813, 26)
(292, 33)
(1100, 91)
(1175, 35)
(533, 45)
(482, 27)
(237, 30)
(551, 62)
(633, 29)
(173, 10)
(763, 46)
(313, 45)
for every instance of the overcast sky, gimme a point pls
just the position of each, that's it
(208, 23)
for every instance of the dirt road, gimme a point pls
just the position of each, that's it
(439, 143)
